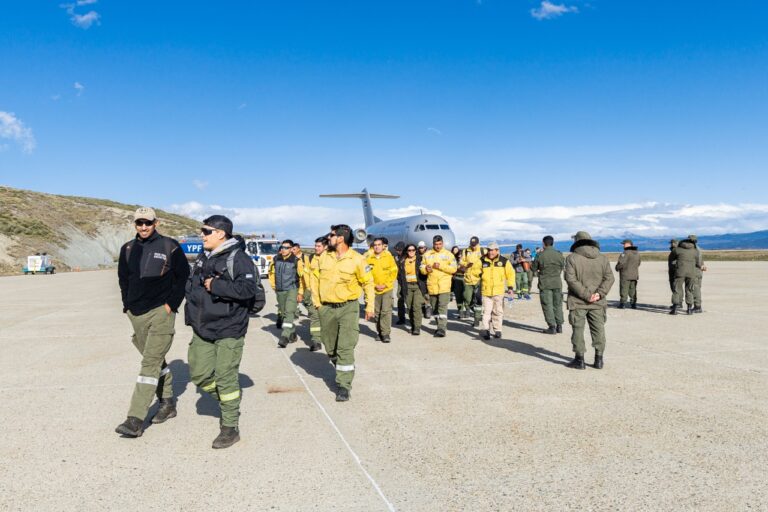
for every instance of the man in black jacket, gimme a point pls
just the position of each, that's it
(220, 291)
(152, 271)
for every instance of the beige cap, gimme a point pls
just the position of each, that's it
(493, 245)
(145, 212)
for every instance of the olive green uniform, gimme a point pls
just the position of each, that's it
(152, 336)
(628, 268)
(548, 267)
(587, 272)
(214, 367)
(685, 257)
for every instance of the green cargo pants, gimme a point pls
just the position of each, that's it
(696, 290)
(521, 283)
(414, 300)
(628, 290)
(214, 366)
(552, 305)
(439, 305)
(684, 287)
(596, 319)
(286, 309)
(152, 336)
(341, 329)
(469, 301)
(314, 319)
(383, 313)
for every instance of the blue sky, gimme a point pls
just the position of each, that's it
(618, 115)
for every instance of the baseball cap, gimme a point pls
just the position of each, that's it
(145, 213)
(422, 244)
(493, 245)
(219, 222)
(582, 235)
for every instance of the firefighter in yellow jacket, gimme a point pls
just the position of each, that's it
(384, 270)
(338, 278)
(470, 265)
(497, 277)
(439, 265)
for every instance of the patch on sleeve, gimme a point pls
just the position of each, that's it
(160, 256)
(249, 276)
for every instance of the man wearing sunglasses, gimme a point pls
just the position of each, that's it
(285, 272)
(152, 271)
(220, 292)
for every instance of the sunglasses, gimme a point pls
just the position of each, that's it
(144, 222)
(206, 231)
(411, 250)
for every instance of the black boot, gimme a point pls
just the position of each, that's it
(315, 346)
(400, 321)
(385, 339)
(697, 309)
(166, 411)
(342, 395)
(131, 427)
(497, 335)
(634, 305)
(690, 310)
(428, 312)
(485, 335)
(559, 328)
(598, 362)
(621, 305)
(439, 333)
(577, 363)
(673, 311)
(226, 438)
(283, 342)
(550, 330)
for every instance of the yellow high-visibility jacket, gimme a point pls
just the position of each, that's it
(384, 270)
(336, 280)
(468, 255)
(306, 260)
(439, 280)
(495, 273)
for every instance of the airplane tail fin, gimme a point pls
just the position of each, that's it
(366, 197)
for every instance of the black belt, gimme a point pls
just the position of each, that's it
(337, 304)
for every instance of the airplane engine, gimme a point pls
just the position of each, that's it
(360, 235)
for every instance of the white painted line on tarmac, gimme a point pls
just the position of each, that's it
(356, 458)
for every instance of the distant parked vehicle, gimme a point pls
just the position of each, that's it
(40, 263)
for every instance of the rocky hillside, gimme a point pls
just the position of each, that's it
(78, 232)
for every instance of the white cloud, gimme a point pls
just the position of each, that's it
(83, 21)
(56, 97)
(651, 219)
(548, 10)
(79, 88)
(434, 130)
(13, 128)
(242, 106)
(200, 185)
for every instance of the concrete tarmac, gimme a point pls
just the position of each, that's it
(677, 419)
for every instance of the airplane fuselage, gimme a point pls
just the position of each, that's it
(412, 230)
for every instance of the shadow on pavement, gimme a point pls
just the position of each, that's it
(316, 364)
(650, 308)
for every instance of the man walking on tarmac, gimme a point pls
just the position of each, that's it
(337, 280)
(285, 273)
(521, 265)
(628, 268)
(700, 269)
(548, 267)
(384, 271)
(438, 264)
(152, 271)
(589, 277)
(686, 258)
(310, 266)
(220, 292)
(497, 277)
(421, 250)
(470, 265)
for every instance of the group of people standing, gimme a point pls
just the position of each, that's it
(223, 290)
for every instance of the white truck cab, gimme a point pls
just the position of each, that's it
(262, 250)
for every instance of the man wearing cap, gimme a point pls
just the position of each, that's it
(338, 279)
(470, 266)
(438, 264)
(589, 278)
(628, 268)
(521, 264)
(285, 273)
(548, 267)
(671, 263)
(700, 269)
(152, 271)
(220, 290)
(496, 277)
(421, 250)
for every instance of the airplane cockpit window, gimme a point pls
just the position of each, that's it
(432, 226)
(445, 226)
(420, 227)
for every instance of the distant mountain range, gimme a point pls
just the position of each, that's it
(754, 241)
